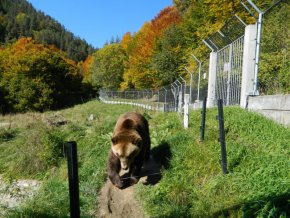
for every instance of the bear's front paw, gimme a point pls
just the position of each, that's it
(119, 185)
(133, 180)
(116, 181)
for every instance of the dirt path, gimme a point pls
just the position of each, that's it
(117, 203)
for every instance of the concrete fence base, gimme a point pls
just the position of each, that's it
(275, 107)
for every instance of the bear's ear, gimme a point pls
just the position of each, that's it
(114, 140)
(128, 124)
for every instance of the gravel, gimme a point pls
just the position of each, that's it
(13, 194)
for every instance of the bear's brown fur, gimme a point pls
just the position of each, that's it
(130, 147)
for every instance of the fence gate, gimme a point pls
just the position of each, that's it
(228, 43)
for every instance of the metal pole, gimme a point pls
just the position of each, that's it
(173, 90)
(257, 56)
(258, 43)
(176, 96)
(184, 89)
(199, 70)
(179, 102)
(190, 86)
(228, 100)
(222, 136)
(211, 48)
(73, 179)
(202, 130)
(158, 101)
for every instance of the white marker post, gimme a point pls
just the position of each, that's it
(186, 111)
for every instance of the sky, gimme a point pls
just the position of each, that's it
(97, 21)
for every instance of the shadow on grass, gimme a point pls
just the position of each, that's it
(272, 206)
(162, 154)
(7, 135)
(160, 158)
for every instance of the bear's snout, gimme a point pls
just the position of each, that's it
(125, 168)
(124, 164)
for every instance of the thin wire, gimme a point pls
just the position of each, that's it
(140, 176)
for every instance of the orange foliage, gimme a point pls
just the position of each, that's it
(126, 40)
(142, 45)
(86, 69)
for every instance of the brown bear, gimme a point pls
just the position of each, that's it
(130, 147)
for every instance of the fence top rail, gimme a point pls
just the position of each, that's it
(231, 43)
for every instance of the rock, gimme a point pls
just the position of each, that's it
(5, 125)
(91, 117)
(55, 120)
(13, 194)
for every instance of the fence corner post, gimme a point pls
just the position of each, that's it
(248, 72)
(211, 92)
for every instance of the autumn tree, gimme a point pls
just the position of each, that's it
(107, 66)
(168, 58)
(85, 69)
(138, 74)
(35, 77)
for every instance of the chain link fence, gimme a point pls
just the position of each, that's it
(274, 66)
(198, 82)
(229, 72)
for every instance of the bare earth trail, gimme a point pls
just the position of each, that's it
(117, 203)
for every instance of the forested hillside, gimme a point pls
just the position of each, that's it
(43, 66)
(18, 19)
(41, 63)
(156, 55)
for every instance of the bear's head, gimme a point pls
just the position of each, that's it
(126, 146)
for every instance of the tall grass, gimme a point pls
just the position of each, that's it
(192, 183)
(36, 151)
(258, 182)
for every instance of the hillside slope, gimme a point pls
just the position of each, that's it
(19, 19)
(192, 184)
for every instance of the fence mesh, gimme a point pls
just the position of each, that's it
(199, 83)
(274, 66)
(229, 72)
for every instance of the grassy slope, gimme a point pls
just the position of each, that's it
(34, 150)
(192, 183)
(258, 183)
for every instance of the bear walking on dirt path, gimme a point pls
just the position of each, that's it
(130, 147)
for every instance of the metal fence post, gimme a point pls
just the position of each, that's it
(202, 130)
(199, 70)
(228, 101)
(222, 136)
(158, 101)
(165, 99)
(186, 111)
(190, 85)
(73, 179)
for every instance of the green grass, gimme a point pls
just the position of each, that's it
(192, 184)
(258, 182)
(35, 150)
